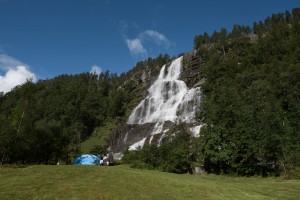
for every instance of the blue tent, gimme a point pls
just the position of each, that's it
(87, 159)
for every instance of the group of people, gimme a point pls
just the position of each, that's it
(105, 160)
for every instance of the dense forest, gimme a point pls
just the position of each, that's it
(251, 101)
(250, 107)
(43, 122)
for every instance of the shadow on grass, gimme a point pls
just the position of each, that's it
(13, 166)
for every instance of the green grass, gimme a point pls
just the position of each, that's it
(122, 182)
(99, 137)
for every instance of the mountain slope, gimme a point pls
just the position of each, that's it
(250, 103)
(250, 107)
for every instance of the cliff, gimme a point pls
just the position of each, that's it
(172, 97)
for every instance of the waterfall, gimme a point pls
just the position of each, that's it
(168, 99)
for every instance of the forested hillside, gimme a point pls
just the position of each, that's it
(47, 121)
(250, 104)
(251, 101)
(250, 82)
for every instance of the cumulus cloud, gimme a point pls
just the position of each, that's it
(96, 70)
(137, 46)
(15, 73)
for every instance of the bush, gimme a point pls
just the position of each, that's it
(173, 156)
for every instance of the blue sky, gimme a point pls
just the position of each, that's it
(53, 37)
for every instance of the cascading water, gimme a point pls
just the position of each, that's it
(168, 99)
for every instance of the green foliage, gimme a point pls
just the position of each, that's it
(98, 138)
(173, 156)
(251, 99)
(51, 120)
(98, 150)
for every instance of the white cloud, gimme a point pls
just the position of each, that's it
(157, 37)
(96, 70)
(14, 77)
(16, 73)
(136, 47)
(7, 62)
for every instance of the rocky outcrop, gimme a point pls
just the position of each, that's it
(128, 134)
(192, 68)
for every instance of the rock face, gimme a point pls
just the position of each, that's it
(169, 100)
(127, 135)
(192, 68)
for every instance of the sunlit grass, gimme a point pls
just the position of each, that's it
(122, 182)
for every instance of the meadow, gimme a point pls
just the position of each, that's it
(123, 182)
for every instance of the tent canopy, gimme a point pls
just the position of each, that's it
(87, 159)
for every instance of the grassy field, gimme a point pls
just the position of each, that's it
(122, 182)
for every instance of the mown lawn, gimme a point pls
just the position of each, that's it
(122, 182)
